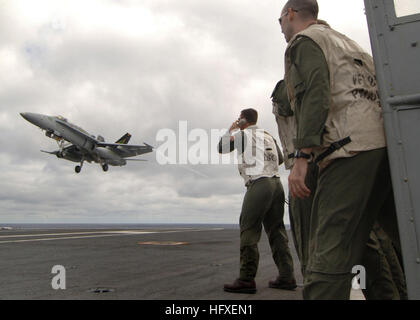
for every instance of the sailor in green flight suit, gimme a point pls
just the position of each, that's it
(263, 205)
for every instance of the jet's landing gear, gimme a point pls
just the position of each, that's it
(105, 167)
(79, 168)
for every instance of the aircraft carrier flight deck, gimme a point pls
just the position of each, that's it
(148, 263)
(170, 263)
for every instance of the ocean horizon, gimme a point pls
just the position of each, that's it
(77, 226)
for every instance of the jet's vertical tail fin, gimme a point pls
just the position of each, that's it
(124, 139)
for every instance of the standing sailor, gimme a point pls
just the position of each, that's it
(332, 89)
(384, 275)
(259, 160)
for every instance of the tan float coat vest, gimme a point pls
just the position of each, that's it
(287, 132)
(260, 157)
(354, 109)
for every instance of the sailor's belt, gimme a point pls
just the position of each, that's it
(251, 182)
(292, 156)
(332, 148)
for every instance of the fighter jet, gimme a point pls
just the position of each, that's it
(77, 145)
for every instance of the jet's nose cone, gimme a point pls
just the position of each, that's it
(31, 117)
(34, 118)
(27, 116)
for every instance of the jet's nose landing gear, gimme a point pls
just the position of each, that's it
(105, 167)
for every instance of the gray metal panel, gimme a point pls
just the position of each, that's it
(399, 44)
(396, 50)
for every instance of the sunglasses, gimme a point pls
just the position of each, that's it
(285, 14)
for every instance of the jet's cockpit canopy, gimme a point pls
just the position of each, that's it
(62, 118)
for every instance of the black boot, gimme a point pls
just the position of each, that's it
(282, 284)
(240, 286)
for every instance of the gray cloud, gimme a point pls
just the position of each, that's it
(120, 66)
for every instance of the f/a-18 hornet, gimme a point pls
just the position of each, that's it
(82, 146)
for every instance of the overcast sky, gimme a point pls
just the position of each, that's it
(136, 66)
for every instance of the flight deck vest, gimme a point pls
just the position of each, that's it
(287, 132)
(260, 157)
(286, 123)
(354, 107)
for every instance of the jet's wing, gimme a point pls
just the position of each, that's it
(69, 148)
(127, 150)
(51, 152)
(124, 150)
(76, 131)
(72, 153)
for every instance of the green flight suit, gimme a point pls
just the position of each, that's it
(300, 214)
(264, 205)
(385, 276)
(341, 220)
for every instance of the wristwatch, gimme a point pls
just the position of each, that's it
(300, 154)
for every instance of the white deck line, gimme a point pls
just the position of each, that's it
(93, 234)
